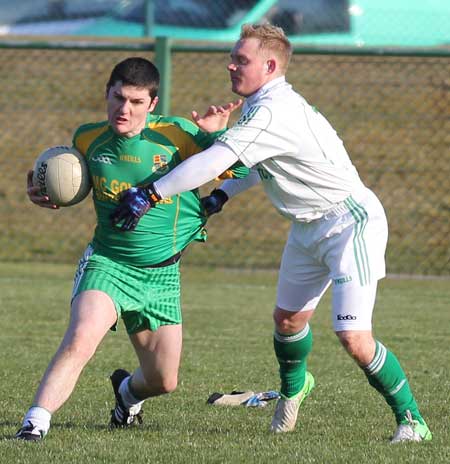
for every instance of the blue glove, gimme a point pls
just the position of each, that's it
(214, 202)
(243, 398)
(260, 400)
(133, 204)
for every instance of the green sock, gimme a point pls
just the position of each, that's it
(386, 375)
(291, 351)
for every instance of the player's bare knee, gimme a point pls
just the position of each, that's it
(161, 385)
(287, 322)
(360, 345)
(164, 386)
(77, 349)
(169, 385)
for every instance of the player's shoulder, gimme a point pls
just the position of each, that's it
(91, 127)
(285, 102)
(272, 109)
(260, 113)
(283, 93)
(85, 134)
(175, 122)
(274, 100)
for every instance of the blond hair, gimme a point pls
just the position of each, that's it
(271, 38)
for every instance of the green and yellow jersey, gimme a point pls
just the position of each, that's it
(117, 163)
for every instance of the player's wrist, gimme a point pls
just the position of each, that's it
(151, 193)
(214, 202)
(220, 195)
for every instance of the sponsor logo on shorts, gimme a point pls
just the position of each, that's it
(101, 159)
(346, 317)
(342, 280)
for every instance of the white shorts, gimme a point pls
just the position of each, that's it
(344, 248)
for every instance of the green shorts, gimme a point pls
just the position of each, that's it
(145, 298)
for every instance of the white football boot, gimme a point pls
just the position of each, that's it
(286, 410)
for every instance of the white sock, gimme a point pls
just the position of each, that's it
(128, 399)
(39, 418)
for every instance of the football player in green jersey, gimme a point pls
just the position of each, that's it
(339, 228)
(133, 275)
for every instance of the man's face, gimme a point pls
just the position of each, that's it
(248, 68)
(128, 107)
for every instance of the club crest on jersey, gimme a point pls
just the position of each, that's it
(160, 163)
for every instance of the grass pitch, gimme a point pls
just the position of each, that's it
(227, 345)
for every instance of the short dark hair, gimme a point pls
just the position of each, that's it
(137, 72)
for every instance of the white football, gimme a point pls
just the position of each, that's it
(62, 174)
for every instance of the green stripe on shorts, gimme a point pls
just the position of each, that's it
(359, 245)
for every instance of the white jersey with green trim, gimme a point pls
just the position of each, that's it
(303, 164)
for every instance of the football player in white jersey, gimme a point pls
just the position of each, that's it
(339, 230)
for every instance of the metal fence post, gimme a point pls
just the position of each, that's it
(162, 58)
(149, 18)
(164, 64)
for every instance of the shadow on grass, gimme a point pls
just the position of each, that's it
(70, 426)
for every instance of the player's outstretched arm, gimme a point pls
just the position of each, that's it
(213, 203)
(216, 117)
(35, 196)
(190, 174)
